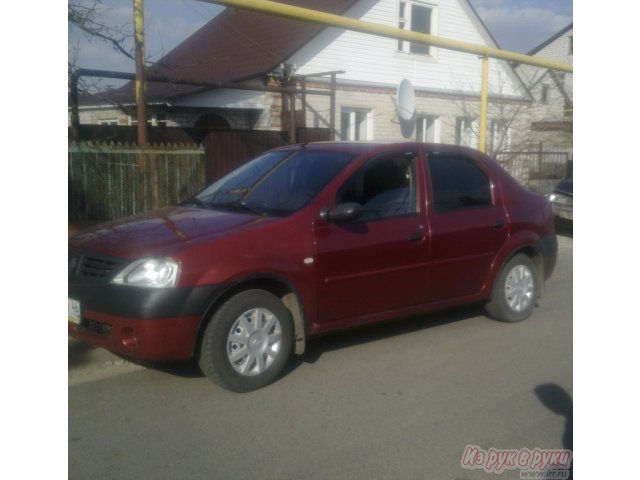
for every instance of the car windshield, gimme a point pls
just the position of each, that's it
(277, 183)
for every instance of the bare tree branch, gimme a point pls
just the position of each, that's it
(88, 17)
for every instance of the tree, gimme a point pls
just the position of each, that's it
(507, 120)
(87, 15)
(88, 18)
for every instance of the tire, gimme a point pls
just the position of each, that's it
(248, 341)
(515, 291)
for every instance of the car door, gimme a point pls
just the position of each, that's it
(467, 225)
(377, 262)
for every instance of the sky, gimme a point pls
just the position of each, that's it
(517, 25)
(521, 25)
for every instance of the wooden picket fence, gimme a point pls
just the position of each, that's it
(108, 181)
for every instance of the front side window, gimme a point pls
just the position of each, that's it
(385, 187)
(457, 183)
(277, 183)
(417, 17)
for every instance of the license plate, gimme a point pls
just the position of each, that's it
(74, 311)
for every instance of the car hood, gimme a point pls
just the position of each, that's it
(160, 231)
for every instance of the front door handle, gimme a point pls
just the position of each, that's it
(416, 236)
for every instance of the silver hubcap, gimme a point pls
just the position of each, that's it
(519, 288)
(254, 341)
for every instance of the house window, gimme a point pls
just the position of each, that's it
(159, 119)
(427, 129)
(571, 45)
(561, 77)
(544, 95)
(417, 17)
(153, 119)
(356, 124)
(466, 132)
(498, 136)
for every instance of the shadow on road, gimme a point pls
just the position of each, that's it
(556, 399)
(328, 343)
(564, 227)
(350, 338)
(81, 353)
(78, 353)
(184, 369)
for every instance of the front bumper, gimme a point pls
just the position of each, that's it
(148, 339)
(153, 324)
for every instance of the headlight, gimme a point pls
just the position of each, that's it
(149, 272)
(553, 197)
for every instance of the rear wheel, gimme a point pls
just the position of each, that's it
(247, 342)
(515, 290)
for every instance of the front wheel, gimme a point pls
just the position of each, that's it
(247, 342)
(515, 290)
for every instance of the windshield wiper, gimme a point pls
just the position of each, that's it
(248, 208)
(196, 202)
(193, 202)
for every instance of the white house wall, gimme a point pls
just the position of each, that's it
(223, 98)
(541, 84)
(375, 60)
(557, 51)
(447, 83)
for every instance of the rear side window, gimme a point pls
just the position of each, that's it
(457, 183)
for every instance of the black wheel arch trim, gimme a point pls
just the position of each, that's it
(258, 280)
(543, 251)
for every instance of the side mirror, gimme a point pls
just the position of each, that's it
(344, 212)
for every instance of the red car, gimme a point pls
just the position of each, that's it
(309, 239)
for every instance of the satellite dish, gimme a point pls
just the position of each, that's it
(406, 99)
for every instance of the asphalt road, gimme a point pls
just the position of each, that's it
(398, 401)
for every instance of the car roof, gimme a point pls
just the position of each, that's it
(364, 147)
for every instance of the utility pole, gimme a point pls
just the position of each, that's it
(141, 82)
(484, 105)
(148, 172)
